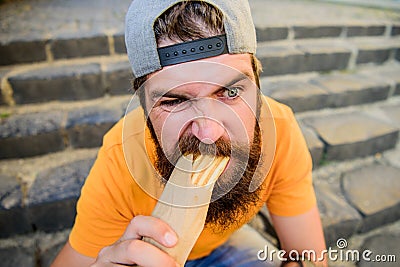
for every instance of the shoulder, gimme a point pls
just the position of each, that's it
(287, 130)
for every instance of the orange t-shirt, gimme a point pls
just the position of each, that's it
(111, 196)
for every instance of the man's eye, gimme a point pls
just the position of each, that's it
(172, 102)
(231, 93)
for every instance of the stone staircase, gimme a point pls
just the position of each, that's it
(61, 92)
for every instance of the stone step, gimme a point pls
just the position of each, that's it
(353, 196)
(334, 90)
(86, 46)
(39, 129)
(324, 55)
(53, 30)
(36, 188)
(309, 30)
(352, 132)
(378, 204)
(26, 49)
(32, 250)
(94, 77)
(66, 80)
(36, 129)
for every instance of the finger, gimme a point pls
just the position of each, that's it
(140, 253)
(152, 227)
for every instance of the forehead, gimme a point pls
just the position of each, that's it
(218, 70)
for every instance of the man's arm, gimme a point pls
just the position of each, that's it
(302, 232)
(70, 257)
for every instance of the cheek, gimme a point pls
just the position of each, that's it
(241, 124)
(241, 128)
(168, 127)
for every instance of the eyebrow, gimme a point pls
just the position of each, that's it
(158, 93)
(243, 76)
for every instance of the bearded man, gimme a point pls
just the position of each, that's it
(197, 80)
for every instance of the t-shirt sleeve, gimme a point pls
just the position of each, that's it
(292, 190)
(102, 213)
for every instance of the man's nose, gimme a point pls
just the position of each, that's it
(207, 130)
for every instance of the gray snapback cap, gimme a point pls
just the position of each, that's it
(141, 42)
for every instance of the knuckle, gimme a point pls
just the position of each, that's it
(136, 223)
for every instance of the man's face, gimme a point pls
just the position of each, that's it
(214, 99)
(210, 104)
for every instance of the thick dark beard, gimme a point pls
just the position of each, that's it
(231, 198)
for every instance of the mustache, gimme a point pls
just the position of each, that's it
(190, 144)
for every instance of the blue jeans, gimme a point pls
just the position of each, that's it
(240, 250)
